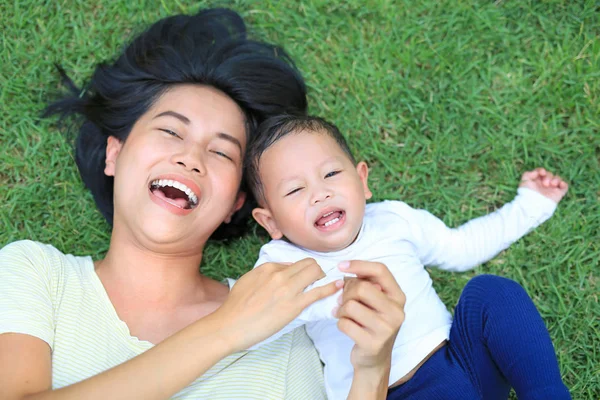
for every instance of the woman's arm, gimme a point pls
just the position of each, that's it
(262, 302)
(371, 314)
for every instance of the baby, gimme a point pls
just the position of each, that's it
(312, 197)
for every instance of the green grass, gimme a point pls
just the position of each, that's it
(449, 102)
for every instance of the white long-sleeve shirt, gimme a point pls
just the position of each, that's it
(405, 240)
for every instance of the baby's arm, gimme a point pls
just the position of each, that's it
(482, 238)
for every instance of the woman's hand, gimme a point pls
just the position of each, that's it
(267, 298)
(371, 313)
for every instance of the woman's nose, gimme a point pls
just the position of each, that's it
(193, 169)
(191, 162)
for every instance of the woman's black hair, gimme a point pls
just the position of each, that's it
(209, 48)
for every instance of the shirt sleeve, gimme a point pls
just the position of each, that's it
(480, 239)
(317, 311)
(26, 291)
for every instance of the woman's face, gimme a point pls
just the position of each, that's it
(177, 175)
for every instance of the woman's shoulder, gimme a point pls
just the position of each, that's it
(24, 247)
(26, 252)
(36, 257)
(33, 277)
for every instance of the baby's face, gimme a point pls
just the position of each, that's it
(315, 196)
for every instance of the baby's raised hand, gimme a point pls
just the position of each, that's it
(546, 183)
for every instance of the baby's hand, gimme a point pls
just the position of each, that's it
(546, 183)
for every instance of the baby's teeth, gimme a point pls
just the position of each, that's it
(333, 221)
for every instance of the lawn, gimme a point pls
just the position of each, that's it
(448, 101)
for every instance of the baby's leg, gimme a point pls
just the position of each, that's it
(499, 337)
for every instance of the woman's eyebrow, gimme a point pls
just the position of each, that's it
(231, 139)
(180, 117)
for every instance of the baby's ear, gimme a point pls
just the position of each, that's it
(363, 173)
(264, 217)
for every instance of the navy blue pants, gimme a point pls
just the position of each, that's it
(498, 340)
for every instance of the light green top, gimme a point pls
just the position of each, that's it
(60, 299)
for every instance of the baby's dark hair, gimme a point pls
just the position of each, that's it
(210, 48)
(275, 128)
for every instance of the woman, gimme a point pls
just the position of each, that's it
(161, 144)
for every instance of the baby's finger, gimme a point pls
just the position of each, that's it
(555, 181)
(560, 180)
(530, 175)
(541, 172)
(564, 185)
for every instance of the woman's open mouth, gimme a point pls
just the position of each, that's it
(174, 193)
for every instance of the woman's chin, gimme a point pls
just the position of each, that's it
(156, 226)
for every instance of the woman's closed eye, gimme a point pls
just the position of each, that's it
(221, 154)
(332, 173)
(170, 132)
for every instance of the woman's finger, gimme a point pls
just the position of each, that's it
(354, 331)
(364, 316)
(296, 277)
(375, 273)
(368, 294)
(321, 292)
(304, 273)
(380, 304)
(306, 266)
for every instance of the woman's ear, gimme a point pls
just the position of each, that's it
(239, 202)
(363, 173)
(113, 147)
(264, 217)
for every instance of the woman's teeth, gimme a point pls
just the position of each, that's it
(177, 185)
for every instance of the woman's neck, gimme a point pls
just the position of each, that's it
(155, 290)
(150, 278)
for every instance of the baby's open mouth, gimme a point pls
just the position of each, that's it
(329, 218)
(175, 193)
